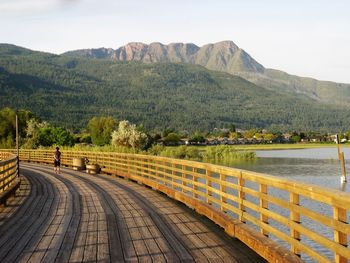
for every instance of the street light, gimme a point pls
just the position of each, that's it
(17, 137)
(17, 142)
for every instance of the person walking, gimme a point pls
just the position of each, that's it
(57, 160)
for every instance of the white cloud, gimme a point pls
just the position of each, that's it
(10, 7)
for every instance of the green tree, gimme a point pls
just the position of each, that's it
(232, 127)
(8, 126)
(235, 135)
(32, 133)
(198, 138)
(171, 139)
(250, 133)
(347, 134)
(167, 131)
(101, 129)
(63, 137)
(220, 132)
(85, 138)
(295, 138)
(49, 136)
(269, 137)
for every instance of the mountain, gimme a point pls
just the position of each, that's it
(13, 50)
(68, 91)
(227, 57)
(223, 56)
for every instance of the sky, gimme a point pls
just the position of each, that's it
(308, 38)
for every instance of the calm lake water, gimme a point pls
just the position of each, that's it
(316, 166)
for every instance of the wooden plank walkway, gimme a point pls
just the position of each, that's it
(75, 217)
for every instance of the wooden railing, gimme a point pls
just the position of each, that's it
(311, 220)
(9, 180)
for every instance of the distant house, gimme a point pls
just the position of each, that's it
(212, 141)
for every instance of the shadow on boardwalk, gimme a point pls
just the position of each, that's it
(75, 217)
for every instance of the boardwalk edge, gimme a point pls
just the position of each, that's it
(261, 244)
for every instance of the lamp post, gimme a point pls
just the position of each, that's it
(17, 139)
(17, 142)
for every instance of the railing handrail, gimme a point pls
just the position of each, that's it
(9, 172)
(208, 183)
(344, 197)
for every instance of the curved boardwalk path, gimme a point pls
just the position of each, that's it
(75, 217)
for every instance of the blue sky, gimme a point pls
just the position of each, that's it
(307, 38)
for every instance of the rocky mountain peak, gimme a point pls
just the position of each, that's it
(226, 45)
(221, 56)
(131, 51)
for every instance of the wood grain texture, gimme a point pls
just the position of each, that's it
(75, 217)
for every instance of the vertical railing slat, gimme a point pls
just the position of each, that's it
(195, 180)
(222, 190)
(173, 173)
(183, 176)
(339, 214)
(241, 197)
(208, 185)
(294, 217)
(263, 205)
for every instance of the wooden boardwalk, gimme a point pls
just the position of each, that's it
(75, 217)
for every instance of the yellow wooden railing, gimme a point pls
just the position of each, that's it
(9, 180)
(236, 199)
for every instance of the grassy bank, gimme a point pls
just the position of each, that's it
(211, 154)
(284, 146)
(221, 154)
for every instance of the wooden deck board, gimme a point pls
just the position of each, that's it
(31, 226)
(16, 201)
(90, 249)
(102, 239)
(75, 217)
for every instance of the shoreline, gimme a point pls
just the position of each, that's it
(258, 147)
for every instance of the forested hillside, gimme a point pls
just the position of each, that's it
(69, 91)
(227, 57)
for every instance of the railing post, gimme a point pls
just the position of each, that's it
(17, 167)
(7, 166)
(143, 168)
(241, 197)
(1, 176)
(183, 176)
(173, 173)
(263, 205)
(156, 170)
(295, 217)
(340, 237)
(208, 183)
(137, 166)
(131, 165)
(162, 175)
(195, 180)
(223, 191)
(128, 165)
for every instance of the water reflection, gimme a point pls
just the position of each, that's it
(315, 166)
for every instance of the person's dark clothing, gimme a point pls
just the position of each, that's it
(57, 156)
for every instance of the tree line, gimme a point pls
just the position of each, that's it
(106, 130)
